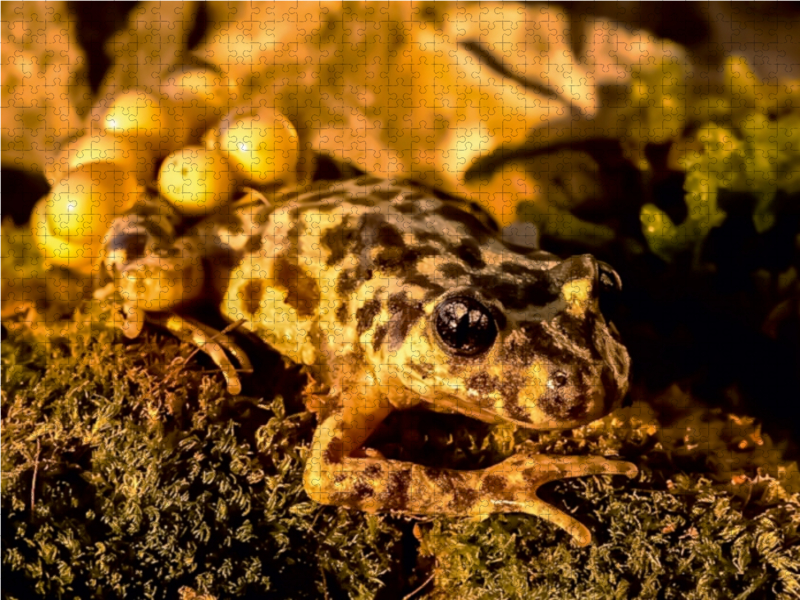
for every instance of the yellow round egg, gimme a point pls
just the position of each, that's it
(199, 98)
(133, 113)
(82, 206)
(260, 147)
(123, 153)
(76, 255)
(137, 114)
(195, 180)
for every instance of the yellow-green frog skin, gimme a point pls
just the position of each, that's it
(394, 297)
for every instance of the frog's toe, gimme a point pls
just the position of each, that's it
(573, 466)
(579, 466)
(131, 322)
(579, 532)
(527, 502)
(212, 343)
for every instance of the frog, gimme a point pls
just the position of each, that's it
(393, 297)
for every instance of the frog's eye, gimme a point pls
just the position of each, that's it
(465, 326)
(610, 281)
(610, 286)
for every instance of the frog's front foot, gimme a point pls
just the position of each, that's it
(208, 340)
(129, 319)
(512, 485)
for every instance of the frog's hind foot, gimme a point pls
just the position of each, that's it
(339, 472)
(212, 342)
(522, 474)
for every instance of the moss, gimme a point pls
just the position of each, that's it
(127, 474)
(130, 473)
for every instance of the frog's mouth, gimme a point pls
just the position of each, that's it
(558, 400)
(536, 392)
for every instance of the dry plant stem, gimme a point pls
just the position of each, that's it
(35, 473)
(419, 589)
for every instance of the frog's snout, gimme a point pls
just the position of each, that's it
(563, 398)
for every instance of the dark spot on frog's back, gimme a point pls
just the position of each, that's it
(396, 494)
(253, 244)
(455, 484)
(519, 270)
(252, 292)
(512, 295)
(386, 194)
(395, 260)
(342, 313)
(363, 490)
(349, 279)
(463, 499)
(537, 340)
(368, 180)
(469, 251)
(404, 313)
(366, 315)
(339, 240)
(452, 270)
(373, 471)
(359, 200)
(474, 226)
(303, 293)
(333, 454)
(407, 208)
(388, 235)
(380, 335)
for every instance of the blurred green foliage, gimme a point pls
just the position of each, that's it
(746, 140)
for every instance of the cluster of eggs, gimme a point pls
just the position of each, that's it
(189, 141)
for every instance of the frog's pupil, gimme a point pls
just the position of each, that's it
(465, 326)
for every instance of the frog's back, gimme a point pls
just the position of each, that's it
(329, 257)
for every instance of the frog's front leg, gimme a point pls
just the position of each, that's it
(151, 273)
(334, 476)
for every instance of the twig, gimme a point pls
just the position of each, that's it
(324, 583)
(419, 589)
(35, 473)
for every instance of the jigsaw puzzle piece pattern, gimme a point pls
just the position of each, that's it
(44, 89)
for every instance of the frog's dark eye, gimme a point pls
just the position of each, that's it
(610, 281)
(609, 288)
(465, 326)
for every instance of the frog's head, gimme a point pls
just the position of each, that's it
(523, 341)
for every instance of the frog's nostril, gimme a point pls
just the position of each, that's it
(559, 379)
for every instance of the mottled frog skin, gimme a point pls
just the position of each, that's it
(393, 297)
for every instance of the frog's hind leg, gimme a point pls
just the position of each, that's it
(334, 476)
(213, 343)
